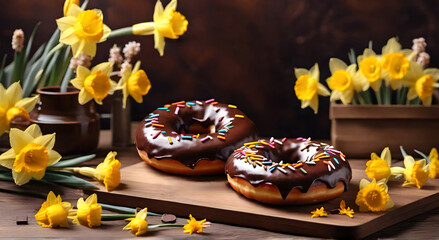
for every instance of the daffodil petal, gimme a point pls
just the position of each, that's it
(92, 199)
(89, 48)
(396, 170)
(54, 157)
(48, 141)
(7, 158)
(411, 94)
(21, 178)
(314, 104)
(82, 73)
(27, 103)
(409, 161)
(74, 10)
(84, 97)
(315, 72)
(14, 93)
(68, 37)
(19, 139)
(337, 64)
(107, 32)
(427, 102)
(300, 71)
(106, 67)
(77, 83)
(376, 85)
(305, 104)
(391, 46)
(171, 6)
(136, 67)
(390, 204)
(158, 10)
(34, 130)
(363, 183)
(322, 90)
(346, 97)
(434, 72)
(142, 214)
(386, 155)
(159, 43)
(39, 175)
(65, 22)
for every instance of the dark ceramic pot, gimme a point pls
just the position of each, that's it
(76, 126)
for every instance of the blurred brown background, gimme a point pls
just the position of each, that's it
(243, 52)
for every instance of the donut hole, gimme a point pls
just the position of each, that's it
(198, 128)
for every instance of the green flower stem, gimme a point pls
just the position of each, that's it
(124, 209)
(115, 217)
(166, 225)
(126, 31)
(359, 98)
(378, 96)
(366, 96)
(389, 95)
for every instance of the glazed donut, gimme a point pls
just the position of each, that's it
(193, 138)
(288, 171)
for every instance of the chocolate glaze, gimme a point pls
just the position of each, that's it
(289, 152)
(189, 152)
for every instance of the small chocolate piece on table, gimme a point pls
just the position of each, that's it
(21, 220)
(168, 218)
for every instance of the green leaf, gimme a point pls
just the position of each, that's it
(84, 5)
(6, 176)
(2, 70)
(404, 154)
(423, 155)
(49, 68)
(17, 70)
(28, 46)
(114, 217)
(73, 161)
(67, 173)
(63, 68)
(352, 57)
(68, 180)
(124, 209)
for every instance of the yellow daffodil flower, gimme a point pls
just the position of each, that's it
(396, 63)
(138, 225)
(342, 82)
(378, 168)
(373, 196)
(345, 211)
(108, 171)
(308, 87)
(82, 30)
(30, 155)
(319, 213)
(95, 83)
(89, 212)
(415, 172)
(135, 83)
(434, 163)
(167, 23)
(14, 106)
(194, 226)
(369, 74)
(423, 85)
(67, 5)
(53, 212)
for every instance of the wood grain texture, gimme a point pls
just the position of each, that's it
(212, 198)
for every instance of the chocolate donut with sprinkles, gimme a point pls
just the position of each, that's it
(193, 138)
(288, 171)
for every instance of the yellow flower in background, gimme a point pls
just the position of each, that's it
(138, 225)
(194, 226)
(396, 63)
(319, 213)
(82, 30)
(373, 196)
(434, 163)
(14, 106)
(95, 83)
(134, 83)
(415, 172)
(345, 211)
(67, 5)
(53, 212)
(30, 155)
(378, 168)
(369, 73)
(308, 87)
(423, 85)
(89, 212)
(167, 23)
(342, 82)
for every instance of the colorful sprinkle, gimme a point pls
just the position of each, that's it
(181, 102)
(232, 106)
(278, 142)
(298, 165)
(214, 103)
(221, 137)
(291, 167)
(191, 104)
(223, 131)
(284, 139)
(336, 161)
(176, 110)
(209, 101)
(170, 140)
(230, 127)
(342, 158)
(162, 108)
(272, 168)
(157, 125)
(221, 118)
(239, 116)
(329, 168)
(148, 124)
(303, 170)
(332, 165)
(282, 170)
(175, 133)
(186, 137)
(266, 162)
(204, 139)
(163, 131)
(156, 135)
(199, 103)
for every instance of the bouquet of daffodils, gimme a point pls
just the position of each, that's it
(69, 51)
(397, 76)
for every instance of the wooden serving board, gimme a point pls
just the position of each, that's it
(214, 199)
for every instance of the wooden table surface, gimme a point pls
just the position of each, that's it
(13, 204)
